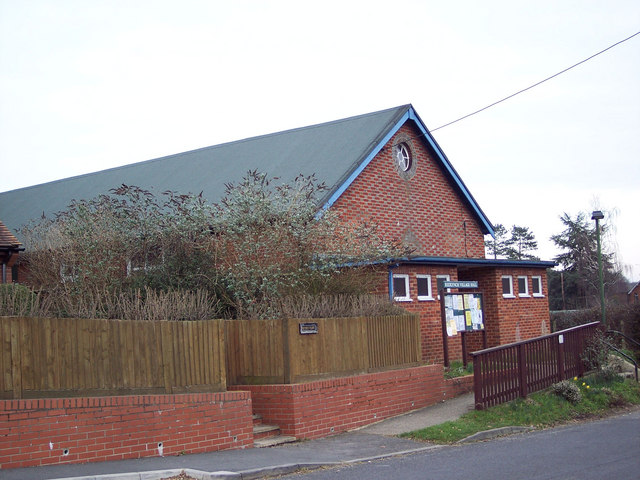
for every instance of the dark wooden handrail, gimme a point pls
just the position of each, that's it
(514, 370)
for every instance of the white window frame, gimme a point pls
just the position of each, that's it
(510, 294)
(430, 288)
(526, 286)
(405, 277)
(447, 278)
(539, 280)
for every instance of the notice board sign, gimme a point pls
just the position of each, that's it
(463, 313)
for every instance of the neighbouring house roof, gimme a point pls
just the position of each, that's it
(8, 241)
(335, 152)
(635, 285)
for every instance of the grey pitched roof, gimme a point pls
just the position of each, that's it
(335, 152)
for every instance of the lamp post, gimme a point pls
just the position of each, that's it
(597, 216)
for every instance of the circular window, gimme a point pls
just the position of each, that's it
(403, 157)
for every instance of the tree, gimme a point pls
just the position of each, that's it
(521, 242)
(576, 284)
(515, 244)
(496, 246)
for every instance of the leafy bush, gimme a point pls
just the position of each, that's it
(261, 244)
(567, 390)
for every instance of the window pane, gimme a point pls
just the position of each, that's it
(399, 287)
(537, 285)
(423, 287)
(522, 285)
(506, 286)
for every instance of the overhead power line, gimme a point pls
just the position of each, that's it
(535, 84)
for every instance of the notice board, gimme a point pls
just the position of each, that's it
(463, 312)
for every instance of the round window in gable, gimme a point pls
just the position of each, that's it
(403, 157)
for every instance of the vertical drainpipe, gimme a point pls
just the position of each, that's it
(391, 267)
(5, 262)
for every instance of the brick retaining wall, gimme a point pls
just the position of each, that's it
(94, 429)
(324, 407)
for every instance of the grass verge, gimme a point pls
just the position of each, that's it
(543, 409)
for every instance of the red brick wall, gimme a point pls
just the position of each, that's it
(510, 320)
(506, 320)
(424, 210)
(78, 430)
(321, 408)
(429, 310)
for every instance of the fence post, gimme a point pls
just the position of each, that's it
(477, 383)
(16, 358)
(578, 358)
(286, 354)
(522, 371)
(561, 373)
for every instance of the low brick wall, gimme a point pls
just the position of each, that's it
(454, 387)
(324, 407)
(92, 429)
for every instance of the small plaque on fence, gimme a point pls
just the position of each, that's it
(308, 328)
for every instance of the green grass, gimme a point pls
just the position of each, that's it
(542, 409)
(456, 369)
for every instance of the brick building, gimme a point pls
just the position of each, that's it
(633, 296)
(384, 166)
(10, 248)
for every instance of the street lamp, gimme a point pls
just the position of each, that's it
(597, 216)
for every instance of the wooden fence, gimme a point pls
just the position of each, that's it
(52, 357)
(63, 357)
(504, 373)
(279, 351)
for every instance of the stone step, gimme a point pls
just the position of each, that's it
(273, 441)
(262, 431)
(257, 419)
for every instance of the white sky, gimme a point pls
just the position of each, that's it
(92, 84)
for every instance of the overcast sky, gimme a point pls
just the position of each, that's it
(92, 84)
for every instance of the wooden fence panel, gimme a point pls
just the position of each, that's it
(44, 357)
(274, 351)
(254, 351)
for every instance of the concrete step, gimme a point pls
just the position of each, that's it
(273, 441)
(262, 431)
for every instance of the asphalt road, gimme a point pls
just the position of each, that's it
(605, 449)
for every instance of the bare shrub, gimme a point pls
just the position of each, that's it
(18, 300)
(329, 306)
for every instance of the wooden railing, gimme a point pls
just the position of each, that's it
(275, 351)
(53, 357)
(504, 373)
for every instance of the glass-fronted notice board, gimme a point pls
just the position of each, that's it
(463, 312)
